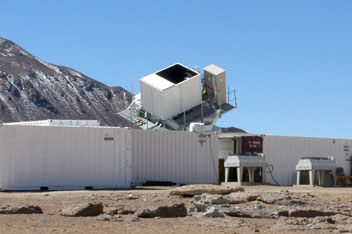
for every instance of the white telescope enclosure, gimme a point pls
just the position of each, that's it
(171, 91)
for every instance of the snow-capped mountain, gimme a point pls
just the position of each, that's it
(31, 89)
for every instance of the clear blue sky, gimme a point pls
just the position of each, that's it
(290, 61)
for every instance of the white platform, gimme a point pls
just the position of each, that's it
(239, 162)
(313, 165)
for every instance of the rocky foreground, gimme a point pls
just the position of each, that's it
(186, 209)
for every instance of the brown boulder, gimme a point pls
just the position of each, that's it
(310, 213)
(84, 209)
(21, 210)
(173, 211)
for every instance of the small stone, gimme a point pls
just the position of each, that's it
(271, 199)
(135, 219)
(103, 217)
(213, 213)
(192, 210)
(131, 197)
(200, 207)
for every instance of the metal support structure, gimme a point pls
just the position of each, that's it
(239, 171)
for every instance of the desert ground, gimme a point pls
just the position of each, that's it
(185, 209)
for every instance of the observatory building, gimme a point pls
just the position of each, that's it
(177, 97)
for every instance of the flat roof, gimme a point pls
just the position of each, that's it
(214, 69)
(230, 135)
(157, 82)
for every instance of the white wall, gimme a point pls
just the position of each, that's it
(284, 152)
(175, 156)
(190, 93)
(64, 157)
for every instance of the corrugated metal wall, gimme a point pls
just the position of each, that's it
(284, 152)
(179, 157)
(64, 157)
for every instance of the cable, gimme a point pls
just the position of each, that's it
(270, 169)
(211, 150)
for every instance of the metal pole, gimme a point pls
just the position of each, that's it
(201, 109)
(133, 125)
(146, 117)
(228, 94)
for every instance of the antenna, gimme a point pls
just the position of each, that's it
(133, 123)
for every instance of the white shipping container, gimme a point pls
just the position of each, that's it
(32, 157)
(175, 156)
(64, 157)
(284, 152)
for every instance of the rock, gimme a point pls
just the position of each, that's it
(291, 202)
(192, 210)
(282, 213)
(258, 206)
(255, 213)
(237, 198)
(341, 218)
(104, 217)
(272, 198)
(151, 200)
(213, 199)
(192, 190)
(108, 217)
(128, 197)
(311, 213)
(21, 210)
(320, 226)
(197, 197)
(110, 210)
(324, 219)
(84, 209)
(200, 207)
(122, 210)
(126, 211)
(213, 213)
(135, 219)
(176, 210)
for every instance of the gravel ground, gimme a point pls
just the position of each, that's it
(145, 197)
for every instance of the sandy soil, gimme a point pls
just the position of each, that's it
(52, 222)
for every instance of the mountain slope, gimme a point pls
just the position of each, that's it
(31, 89)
